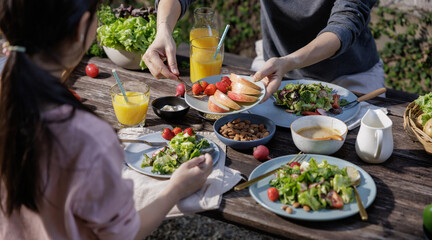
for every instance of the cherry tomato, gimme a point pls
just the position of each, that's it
(336, 200)
(294, 164)
(189, 131)
(92, 70)
(167, 134)
(158, 151)
(177, 130)
(273, 194)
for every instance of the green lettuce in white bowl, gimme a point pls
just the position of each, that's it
(126, 33)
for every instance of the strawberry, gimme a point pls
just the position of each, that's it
(210, 90)
(189, 131)
(223, 87)
(204, 84)
(197, 89)
(226, 80)
(177, 130)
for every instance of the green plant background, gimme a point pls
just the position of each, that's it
(404, 40)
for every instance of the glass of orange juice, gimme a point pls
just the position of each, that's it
(203, 62)
(133, 112)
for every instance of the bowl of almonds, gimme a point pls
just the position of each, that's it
(244, 131)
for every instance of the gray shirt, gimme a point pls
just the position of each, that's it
(288, 25)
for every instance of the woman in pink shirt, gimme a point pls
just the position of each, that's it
(60, 164)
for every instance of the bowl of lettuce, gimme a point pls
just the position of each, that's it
(126, 33)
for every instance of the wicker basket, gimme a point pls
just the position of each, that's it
(410, 115)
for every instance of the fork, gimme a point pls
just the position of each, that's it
(152, 144)
(300, 157)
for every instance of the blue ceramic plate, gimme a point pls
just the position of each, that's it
(366, 189)
(202, 106)
(134, 153)
(284, 119)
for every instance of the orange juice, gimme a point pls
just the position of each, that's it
(203, 32)
(134, 111)
(203, 65)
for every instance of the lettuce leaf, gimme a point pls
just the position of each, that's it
(425, 103)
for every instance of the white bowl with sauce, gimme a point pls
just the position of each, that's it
(306, 129)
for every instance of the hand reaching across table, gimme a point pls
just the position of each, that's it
(163, 47)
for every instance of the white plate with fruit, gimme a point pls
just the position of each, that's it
(228, 94)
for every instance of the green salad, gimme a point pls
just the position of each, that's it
(313, 184)
(181, 148)
(309, 99)
(126, 31)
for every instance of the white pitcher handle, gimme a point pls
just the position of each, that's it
(379, 136)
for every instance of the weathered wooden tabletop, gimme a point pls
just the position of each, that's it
(404, 181)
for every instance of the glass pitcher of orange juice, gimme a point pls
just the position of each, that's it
(204, 25)
(203, 62)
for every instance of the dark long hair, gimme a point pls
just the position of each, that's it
(40, 26)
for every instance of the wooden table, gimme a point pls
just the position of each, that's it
(404, 182)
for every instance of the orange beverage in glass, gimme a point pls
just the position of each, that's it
(203, 32)
(133, 112)
(202, 61)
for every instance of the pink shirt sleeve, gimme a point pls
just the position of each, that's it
(103, 201)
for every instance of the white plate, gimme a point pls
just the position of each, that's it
(134, 153)
(284, 119)
(202, 106)
(367, 191)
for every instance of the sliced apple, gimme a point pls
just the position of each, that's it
(223, 99)
(241, 88)
(236, 78)
(216, 107)
(239, 97)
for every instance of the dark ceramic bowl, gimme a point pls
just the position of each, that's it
(159, 103)
(254, 119)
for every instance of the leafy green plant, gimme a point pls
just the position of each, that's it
(407, 55)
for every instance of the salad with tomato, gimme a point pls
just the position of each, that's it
(309, 99)
(312, 184)
(181, 148)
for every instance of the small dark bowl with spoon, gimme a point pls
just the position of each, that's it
(170, 108)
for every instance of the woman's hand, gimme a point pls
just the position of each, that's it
(271, 75)
(163, 47)
(191, 176)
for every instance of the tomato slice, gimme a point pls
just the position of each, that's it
(306, 113)
(158, 151)
(294, 164)
(273, 194)
(335, 100)
(336, 200)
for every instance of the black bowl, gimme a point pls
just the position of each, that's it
(159, 103)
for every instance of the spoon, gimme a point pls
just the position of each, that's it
(365, 97)
(355, 181)
(334, 137)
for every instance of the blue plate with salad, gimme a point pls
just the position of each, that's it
(296, 98)
(313, 184)
(181, 148)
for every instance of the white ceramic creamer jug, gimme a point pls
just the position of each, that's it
(374, 143)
